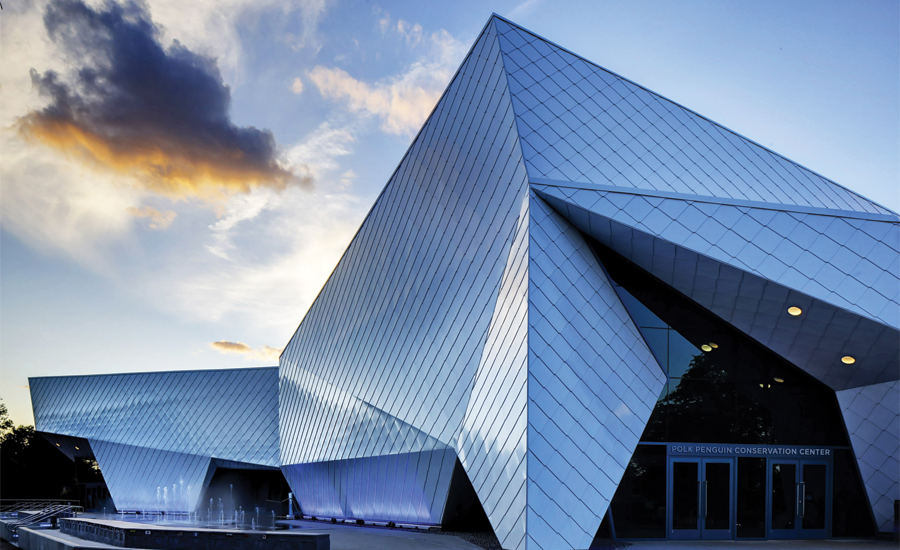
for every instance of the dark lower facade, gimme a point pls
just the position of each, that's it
(739, 492)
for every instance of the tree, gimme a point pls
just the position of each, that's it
(6, 423)
(29, 466)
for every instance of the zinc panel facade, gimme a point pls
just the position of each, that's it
(581, 123)
(872, 418)
(153, 430)
(148, 479)
(846, 261)
(668, 238)
(182, 411)
(493, 441)
(592, 385)
(401, 325)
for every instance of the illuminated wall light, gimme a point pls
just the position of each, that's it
(795, 311)
(706, 347)
(847, 360)
(779, 380)
(714, 345)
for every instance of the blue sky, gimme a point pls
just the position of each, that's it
(109, 266)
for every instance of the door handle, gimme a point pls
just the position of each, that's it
(796, 499)
(802, 499)
(705, 503)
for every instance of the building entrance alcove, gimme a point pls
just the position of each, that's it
(741, 443)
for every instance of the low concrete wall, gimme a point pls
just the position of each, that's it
(5, 533)
(132, 535)
(44, 539)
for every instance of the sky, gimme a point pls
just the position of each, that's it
(178, 179)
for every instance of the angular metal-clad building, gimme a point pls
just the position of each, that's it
(477, 315)
(159, 437)
(576, 306)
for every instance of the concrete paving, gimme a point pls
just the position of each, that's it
(351, 537)
(833, 544)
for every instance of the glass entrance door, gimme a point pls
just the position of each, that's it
(798, 499)
(700, 498)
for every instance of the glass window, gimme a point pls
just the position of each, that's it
(751, 497)
(723, 386)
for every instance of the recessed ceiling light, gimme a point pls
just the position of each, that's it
(795, 311)
(77, 449)
(57, 444)
(713, 345)
(779, 380)
(706, 347)
(847, 360)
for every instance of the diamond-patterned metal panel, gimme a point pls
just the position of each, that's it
(150, 430)
(493, 439)
(385, 361)
(181, 411)
(848, 262)
(401, 487)
(579, 122)
(753, 303)
(592, 385)
(872, 417)
(147, 479)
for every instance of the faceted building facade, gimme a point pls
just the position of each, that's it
(577, 305)
(476, 317)
(159, 437)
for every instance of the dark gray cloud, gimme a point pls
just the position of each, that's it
(132, 105)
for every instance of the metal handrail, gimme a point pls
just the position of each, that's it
(11, 506)
(55, 510)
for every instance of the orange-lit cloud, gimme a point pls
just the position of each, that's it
(158, 220)
(159, 115)
(231, 347)
(162, 167)
(263, 353)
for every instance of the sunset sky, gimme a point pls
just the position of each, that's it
(180, 178)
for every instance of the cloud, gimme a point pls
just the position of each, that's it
(158, 220)
(297, 86)
(56, 205)
(263, 353)
(311, 12)
(318, 152)
(314, 156)
(269, 253)
(412, 32)
(230, 347)
(402, 102)
(159, 115)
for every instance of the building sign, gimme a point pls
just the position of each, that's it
(719, 449)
